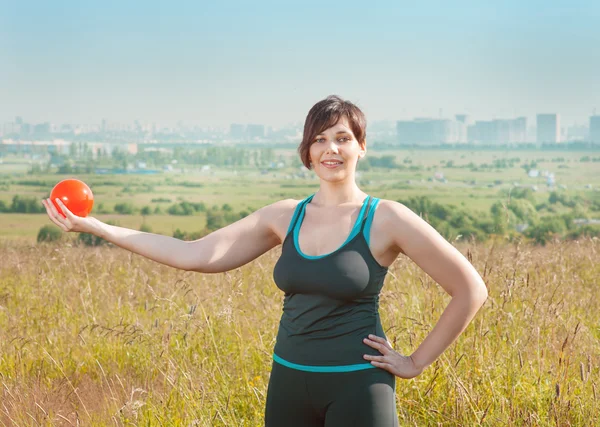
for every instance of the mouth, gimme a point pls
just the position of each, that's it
(332, 164)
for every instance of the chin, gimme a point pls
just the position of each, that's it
(339, 178)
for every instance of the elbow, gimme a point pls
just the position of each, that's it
(475, 295)
(479, 295)
(194, 266)
(483, 294)
(192, 269)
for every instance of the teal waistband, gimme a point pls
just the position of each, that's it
(309, 368)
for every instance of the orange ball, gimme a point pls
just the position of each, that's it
(75, 195)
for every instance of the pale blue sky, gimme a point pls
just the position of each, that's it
(213, 63)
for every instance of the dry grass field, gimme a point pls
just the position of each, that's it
(97, 336)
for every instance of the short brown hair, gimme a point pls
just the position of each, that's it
(325, 114)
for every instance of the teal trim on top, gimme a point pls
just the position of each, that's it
(296, 211)
(309, 368)
(367, 230)
(353, 232)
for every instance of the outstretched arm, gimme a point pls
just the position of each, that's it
(225, 249)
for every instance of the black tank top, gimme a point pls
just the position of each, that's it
(331, 301)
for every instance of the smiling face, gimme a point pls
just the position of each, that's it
(335, 152)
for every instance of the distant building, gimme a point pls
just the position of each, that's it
(519, 130)
(499, 131)
(237, 131)
(548, 128)
(482, 132)
(463, 118)
(42, 128)
(255, 131)
(26, 129)
(423, 131)
(464, 121)
(577, 133)
(58, 146)
(595, 129)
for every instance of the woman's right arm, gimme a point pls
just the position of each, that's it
(223, 250)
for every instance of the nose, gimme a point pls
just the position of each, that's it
(332, 146)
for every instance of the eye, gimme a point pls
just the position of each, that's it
(319, 139)
(344, 139)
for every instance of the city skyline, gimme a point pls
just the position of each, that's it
(213, 65)
(462, 128)
(460, 116)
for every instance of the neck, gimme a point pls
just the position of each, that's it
(338, 193)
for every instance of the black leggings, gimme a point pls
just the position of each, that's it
(346, 399)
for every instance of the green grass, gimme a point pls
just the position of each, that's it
(26, 226)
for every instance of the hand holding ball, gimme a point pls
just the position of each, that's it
(75, 195)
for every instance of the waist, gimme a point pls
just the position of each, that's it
(336, 347)
(313, 368)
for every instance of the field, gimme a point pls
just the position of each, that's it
(473, 189)
(98, 336)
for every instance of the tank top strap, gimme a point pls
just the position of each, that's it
(368, 203)
(297, 211)
(369, 219)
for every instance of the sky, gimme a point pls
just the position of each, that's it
(215, 63)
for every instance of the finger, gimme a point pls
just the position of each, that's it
(53, 209)
(57, 217)
(65, 210)
(374, 358)
(382, 365)
(376, 345)
(381, 340)
(50, 209)
(53, 218)
(68, 219)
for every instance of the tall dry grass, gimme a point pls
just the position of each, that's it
(102, 337)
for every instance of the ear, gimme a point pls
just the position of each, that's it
(363, 149)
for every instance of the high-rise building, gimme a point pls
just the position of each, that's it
(255, 131)
(498, 131)
(237, 131)
(464, 118)
(482, 132)
(595, 129)
(548, 128)
(519, 130)
(41, 128)
(428, 131)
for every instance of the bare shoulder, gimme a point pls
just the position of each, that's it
(279, 215)
(280, 208)
(390, 205)
(403, 227)
(391, 212)
(409, 232)
(283, 205)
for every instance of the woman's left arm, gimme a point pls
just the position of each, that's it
(419, 241)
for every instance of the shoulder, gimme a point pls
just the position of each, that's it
(403, 227)
(391, 212)
(275, 211)
(278, 215)
(281, 207)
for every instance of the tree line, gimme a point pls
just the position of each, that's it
(515, 217)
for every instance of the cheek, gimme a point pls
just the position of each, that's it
(313, 151)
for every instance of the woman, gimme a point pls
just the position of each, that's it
(332, 364)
